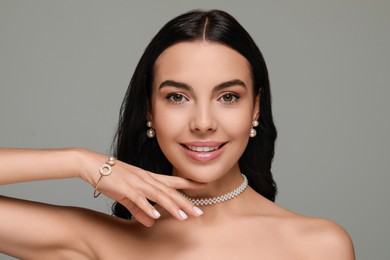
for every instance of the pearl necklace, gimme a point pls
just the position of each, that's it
(219, 199)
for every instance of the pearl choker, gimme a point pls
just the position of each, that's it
(219, 199)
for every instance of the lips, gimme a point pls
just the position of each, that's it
(203, 151)
(202, 148)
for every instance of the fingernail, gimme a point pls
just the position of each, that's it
(156, 214)
(182, 214)
(198, 211)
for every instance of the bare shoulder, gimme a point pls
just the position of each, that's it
(323, 239)
(100, 224)
(318, 238)
(119, 235)
(42, 231)
(301, 237)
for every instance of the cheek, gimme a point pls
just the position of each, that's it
(169, 123)
(235, 123)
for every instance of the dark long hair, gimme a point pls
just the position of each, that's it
(131, 144)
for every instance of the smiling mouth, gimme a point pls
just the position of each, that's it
(203, 149)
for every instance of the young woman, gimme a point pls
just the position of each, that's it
(195, 128)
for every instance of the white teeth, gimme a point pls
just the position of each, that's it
(202, 149)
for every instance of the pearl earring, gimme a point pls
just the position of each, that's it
(253, 132)
(150, 133)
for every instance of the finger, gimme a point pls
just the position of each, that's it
(142, 217)
(157, 188)
(179, 182)
(165, 200)
(180, 201)
(146, 189)
(154, 193)
(176, 198)
(139, 214)
(171, 181)
(186, 205)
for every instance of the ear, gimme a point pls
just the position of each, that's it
(149, 116)
(149, 111)
(256, 108)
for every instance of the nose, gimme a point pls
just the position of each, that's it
(203, 120)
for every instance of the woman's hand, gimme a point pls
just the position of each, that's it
(133, 187)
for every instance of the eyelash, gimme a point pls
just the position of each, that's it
(170, 98)
(231, 102)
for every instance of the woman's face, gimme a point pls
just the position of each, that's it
(202, 108)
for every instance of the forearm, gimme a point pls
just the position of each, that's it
(22, 165)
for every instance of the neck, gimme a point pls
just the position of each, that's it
(220, 186)
(221, 198)
(242, 206)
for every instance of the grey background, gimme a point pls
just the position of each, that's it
(65, 66)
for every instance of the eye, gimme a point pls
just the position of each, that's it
(229, 98)
(176, 98)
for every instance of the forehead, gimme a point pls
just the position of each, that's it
(201, 62)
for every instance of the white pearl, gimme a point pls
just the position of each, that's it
(253, 132)
(219, 199)
(111, 161)
(150, 133)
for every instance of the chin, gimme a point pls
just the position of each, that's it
(201, 174)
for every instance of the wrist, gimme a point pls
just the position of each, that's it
(87, 164)
(79, 158)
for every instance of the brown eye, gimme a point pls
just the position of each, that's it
(176, 98)
(229, 98)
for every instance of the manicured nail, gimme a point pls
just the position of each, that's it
(156, 214)
(182, 214)
(198, 211)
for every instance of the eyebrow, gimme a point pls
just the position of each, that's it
(181, 85)
(171, 83)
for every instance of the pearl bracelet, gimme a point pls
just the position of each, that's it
(105, 170)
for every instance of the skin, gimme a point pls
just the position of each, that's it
(195, 112)
(203, 111)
